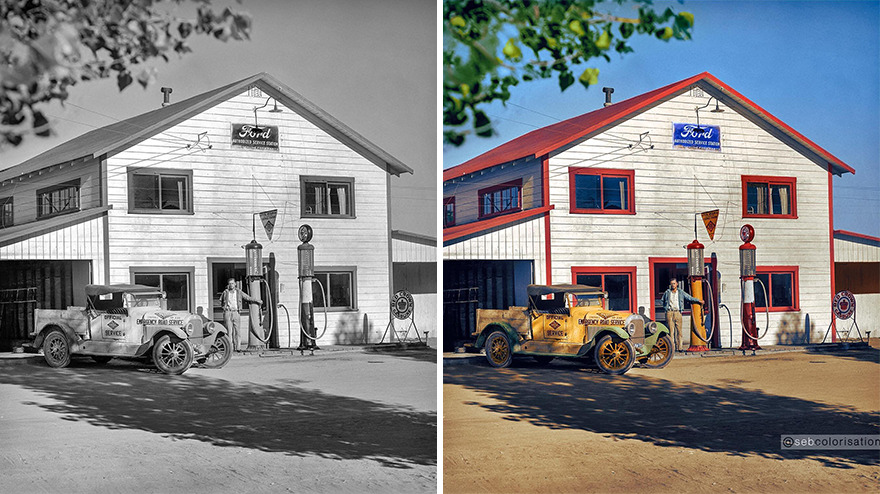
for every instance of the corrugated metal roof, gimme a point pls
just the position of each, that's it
(545, 140)
(126, 133)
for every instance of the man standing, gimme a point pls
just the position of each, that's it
(231, 301)
(673, 301)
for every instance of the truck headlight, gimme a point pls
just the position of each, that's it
(631, 328)
(651, 328)
(189, 329)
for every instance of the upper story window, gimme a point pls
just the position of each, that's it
(448, 211)
(159, 191)
(601, 191)
(6, 216)
(58, 199)
(327, 197)
(769, 197)
(500, 199)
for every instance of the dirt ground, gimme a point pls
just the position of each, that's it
(699, 425)
(348, 422)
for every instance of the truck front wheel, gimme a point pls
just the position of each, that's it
(614, 355)
(56, 349)
(498, 350)
(172, 355)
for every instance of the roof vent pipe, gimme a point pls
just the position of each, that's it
(608, 91)
(166, 96)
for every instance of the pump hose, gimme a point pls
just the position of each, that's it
(766, 311)
(302, 328)
(288, 323)
(269, 306)
(714, 322)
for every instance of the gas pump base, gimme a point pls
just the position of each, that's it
(697, 348)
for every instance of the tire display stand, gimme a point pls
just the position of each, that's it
(843, 307)
(401, 310)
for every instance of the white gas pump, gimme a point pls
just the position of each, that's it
(306, 261)
(748, 274)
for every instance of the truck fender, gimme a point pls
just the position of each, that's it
(600, 333)
(148, 345)
(72, 337)
(512, 335)
(652, 339)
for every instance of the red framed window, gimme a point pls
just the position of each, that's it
(6, 212)
(619, 282)
(781, 283)
(601, 191)
(500, 199)
(769, 197)
(448, 211)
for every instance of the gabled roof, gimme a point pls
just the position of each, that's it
(545, 140)
(126, 133)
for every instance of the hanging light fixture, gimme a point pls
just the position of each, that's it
(716, 110)
(273, 110)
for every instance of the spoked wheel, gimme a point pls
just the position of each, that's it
(615, 355)
(498, 350)
(661, 354)
(219, 354)
(172, 355)
(56, 349)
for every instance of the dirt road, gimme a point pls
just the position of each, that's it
(347, 422)
(700, 425)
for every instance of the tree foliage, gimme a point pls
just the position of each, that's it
(491, 45)
(46, 46)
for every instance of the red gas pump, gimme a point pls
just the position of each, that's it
(748, 271)
(696, 270)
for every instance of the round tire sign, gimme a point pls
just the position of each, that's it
(844, 304)
(402, 305)
(747, 233)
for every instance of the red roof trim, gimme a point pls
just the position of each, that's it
(458, 231)
(857, 235)
(548, 139)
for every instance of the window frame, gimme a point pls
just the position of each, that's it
(497, 188)
(795, 287)
(611, 270)
(306, 179)
(791, 182)
(75, 184)
(629, 175)
(352, 270)
(189, 271)
(447, 201)
(7, 201)
(160, 172)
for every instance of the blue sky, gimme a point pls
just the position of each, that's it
(370, 64)
(814, 65)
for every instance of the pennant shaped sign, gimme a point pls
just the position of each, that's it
(710, 219)
(268, 219)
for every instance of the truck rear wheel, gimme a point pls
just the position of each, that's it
(56, 349)
(498, 351)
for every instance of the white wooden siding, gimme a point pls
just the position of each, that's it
(522, 241)
(230, 183)
(849, 251)
(23, 190)
(466, 191)
(406, 251)
(83, 241)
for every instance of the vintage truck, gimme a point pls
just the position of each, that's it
(130, 321)
(572, 323)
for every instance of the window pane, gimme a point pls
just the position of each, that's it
(146, 191)
(317, 293)
(586, 192)
(615, 192)
(780, 199)
(756, 198)
(174, 193)
(176, 291)
(617, 286)
(780, 287)
(340, 290)
(590, 280)
(760, 301)
(147, 280)
(449, 214)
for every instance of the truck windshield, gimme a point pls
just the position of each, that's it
(145, 300)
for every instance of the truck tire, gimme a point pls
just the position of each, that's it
(498, 351)
(172, 355)
(56, 349)
(615, 355)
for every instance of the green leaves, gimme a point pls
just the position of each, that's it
(48, 48)
(491, 46)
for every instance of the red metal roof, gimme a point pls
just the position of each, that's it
(547, 139)
(126, 133)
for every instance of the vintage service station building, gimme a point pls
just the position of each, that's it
(609, 199)
(167, 198)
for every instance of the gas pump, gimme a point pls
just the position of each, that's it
(748, 272)
(306, 260)
(696, 271)
(254, 276)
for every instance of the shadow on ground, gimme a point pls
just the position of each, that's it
(418, 353)
(283, 419)
(724, 419)
(854, 351)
